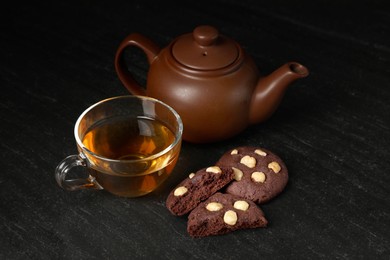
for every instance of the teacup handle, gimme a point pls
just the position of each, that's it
(147, 46)
(65, 166)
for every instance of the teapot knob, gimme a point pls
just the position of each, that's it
(205, 35)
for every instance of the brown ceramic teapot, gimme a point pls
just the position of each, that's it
(210, 81)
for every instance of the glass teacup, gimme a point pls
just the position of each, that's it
(128, 144)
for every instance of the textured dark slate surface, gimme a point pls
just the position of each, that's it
(332, 129)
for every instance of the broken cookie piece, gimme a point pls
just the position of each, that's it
(233, 213)
(198, 187)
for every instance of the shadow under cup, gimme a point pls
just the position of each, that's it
(129, 145)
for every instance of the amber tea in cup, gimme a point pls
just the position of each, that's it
(129, 145)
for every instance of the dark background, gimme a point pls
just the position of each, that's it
(332, 129)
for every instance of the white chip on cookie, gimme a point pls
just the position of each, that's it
(214, 206)
(260, 152)
(230, 217)
(258, 177)
(274, 166)
(237, 174)
(248, 161)
(214, 169)
(180, 191)
(241, 205)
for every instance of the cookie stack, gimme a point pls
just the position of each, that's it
(222, 198)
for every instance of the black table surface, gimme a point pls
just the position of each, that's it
(331, 129)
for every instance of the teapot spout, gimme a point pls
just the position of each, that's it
(270, 90)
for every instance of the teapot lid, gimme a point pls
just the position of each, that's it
(205, 49)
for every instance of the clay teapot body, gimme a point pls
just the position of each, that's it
(210, 81)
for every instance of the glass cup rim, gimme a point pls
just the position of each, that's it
(178, 134)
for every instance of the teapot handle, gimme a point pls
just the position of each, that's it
(147, 46)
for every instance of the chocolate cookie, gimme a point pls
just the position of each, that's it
(198, 187)
(224, 213)
(260, 175)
